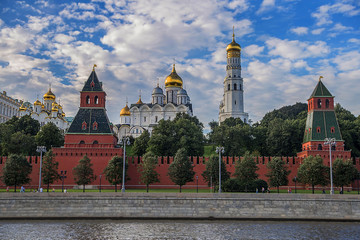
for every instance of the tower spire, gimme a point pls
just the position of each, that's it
(94, 67)
(233, 36)
(320, 78)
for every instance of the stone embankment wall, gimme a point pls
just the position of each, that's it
(179, 206)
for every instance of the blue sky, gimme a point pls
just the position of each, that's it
(286, 46)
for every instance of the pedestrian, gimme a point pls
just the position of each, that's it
(7, 189)
(262, 189)
(65, 191)
(22, 189)
(53, 190)
(323, 191)
(41, 189)
(257, 190)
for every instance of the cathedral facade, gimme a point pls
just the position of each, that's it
(47, 111)
(164, 105)
(232, 104)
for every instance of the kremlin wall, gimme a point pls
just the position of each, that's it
(91, 134)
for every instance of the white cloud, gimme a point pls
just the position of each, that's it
(62, 38)
(354, 40)
(266, 5)
(324, 13)
(340, 28)
(348, 61)
(253, 50)
(317, 31)
(300, 30)
(296, 49)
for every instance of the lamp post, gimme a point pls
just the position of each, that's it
(124, 141)
(358, 179)
(100, 183)
(295, 183)
(40, 149)
(62, 177)
(220, 150)
(331, 142)
(197, 185)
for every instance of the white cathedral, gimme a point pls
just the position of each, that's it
(141, 116)
(48, 111)
(232, 104)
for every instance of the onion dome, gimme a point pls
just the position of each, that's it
(42, 106)
(125, 111)
(63, 114)
(37, 103)
(182, 92)
(173, 80)
(233, 46)
(139, 101)
(49, 95)
(22, 107)
(157, 90)
(54, 109)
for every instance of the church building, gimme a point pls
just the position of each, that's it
(232, 104)
(47, 111)
(144, 116)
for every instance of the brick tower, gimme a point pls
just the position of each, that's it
(321, 123)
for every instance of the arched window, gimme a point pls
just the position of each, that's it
(83, 126)
(235, 87)
(95, 126)
(318, 129)
(240, 87)
(319, 103)
(228, 87)
(332, 129)
(95, 142)
(87, 100)
(333, 148)
(327, 103)
(96, 100)
(319, 147)
(82, 142)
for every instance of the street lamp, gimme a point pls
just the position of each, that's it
(124, 141)
(331, 142)
(220, 150)
(40, 149)
(197, 185)
(62, 177)
(358, 179)
(295, 183)
(100, 183)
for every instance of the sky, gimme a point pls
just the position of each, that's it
(286, 45)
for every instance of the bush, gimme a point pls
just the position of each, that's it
(233, 185)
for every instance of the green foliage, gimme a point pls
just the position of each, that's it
(278, 173)
(296, 111)
(211, 173)
(49, 136)
(49, 169)
(313, 172)
(83, 172)
(20, 143)
(245, 170)
(148, 174)
(344, 172)
(141, 144)
(114, 171)
(181, 170)
(16, 171)
(233, 185)
(183, 132)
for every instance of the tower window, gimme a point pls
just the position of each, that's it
(82, 142)
(95, 126)
(95, 142)
(87, 100)
(318, 130)
(235, 102)
(144, 119)
(332, 130)
(83, 126)
(240, 88)
(319, 147)
(327, 103)
(228, 87)
(235, 87)
(96, 100)
(234, 75)
(319, 103)
(156, 119)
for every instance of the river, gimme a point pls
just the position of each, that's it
(175, 229)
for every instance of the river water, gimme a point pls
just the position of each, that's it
(174, 229)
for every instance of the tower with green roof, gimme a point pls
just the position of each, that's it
(321, 123)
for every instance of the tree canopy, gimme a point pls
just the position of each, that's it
(211, 173)
(146, 168)
(181, 169)
(49, 136)
(344, 172)
(245, 170)
(49, 169)
(16, 171)
(83, 172)
(141, 144)
(278, 173)
(114, 171)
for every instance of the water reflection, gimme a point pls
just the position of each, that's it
(173, 229)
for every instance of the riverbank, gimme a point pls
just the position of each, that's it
(317, 207)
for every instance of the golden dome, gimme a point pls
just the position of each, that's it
(173, 80)
(63, 114)
(54, 109)
(139, 101)
(22, 107)
(49, 95)
(125, 111)
(42, 106)
(233, 45)
(37, 103)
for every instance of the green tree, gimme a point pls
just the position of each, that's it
(83, 172)
(211, 173)
(49, 136)
(20, 143)
(313, 172)
(141, 144)
(27, 125)
(181, 170)
(278, 173)
(49, 169)
(148, 174)
(163, 139)
(245, 170)
(114, 171)
(16, 171)
(344, 172)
